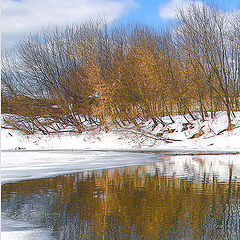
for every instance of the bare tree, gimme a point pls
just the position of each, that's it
(206, 34)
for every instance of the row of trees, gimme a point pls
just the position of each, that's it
(94, 75)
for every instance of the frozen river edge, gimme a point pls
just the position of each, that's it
(18, 165)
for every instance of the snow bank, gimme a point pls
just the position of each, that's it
(182, 133)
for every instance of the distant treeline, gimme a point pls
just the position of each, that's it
(95, 75)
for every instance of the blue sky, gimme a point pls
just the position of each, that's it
(148, 11)
(20, 17)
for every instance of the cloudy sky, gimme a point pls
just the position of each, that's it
(20, 17)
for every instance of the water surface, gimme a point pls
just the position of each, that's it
(171, 198)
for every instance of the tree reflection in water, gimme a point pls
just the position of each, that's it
(128, 203)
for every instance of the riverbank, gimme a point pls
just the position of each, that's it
(198, 135)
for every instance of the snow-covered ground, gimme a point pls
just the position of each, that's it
(208, 136)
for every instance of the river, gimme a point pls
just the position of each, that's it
(119, 195)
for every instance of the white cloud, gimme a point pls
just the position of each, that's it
(169, 10)
(21, 17)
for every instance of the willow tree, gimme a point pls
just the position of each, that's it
(207, 35)
(43, 66)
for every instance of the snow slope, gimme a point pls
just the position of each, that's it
(208, 136)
